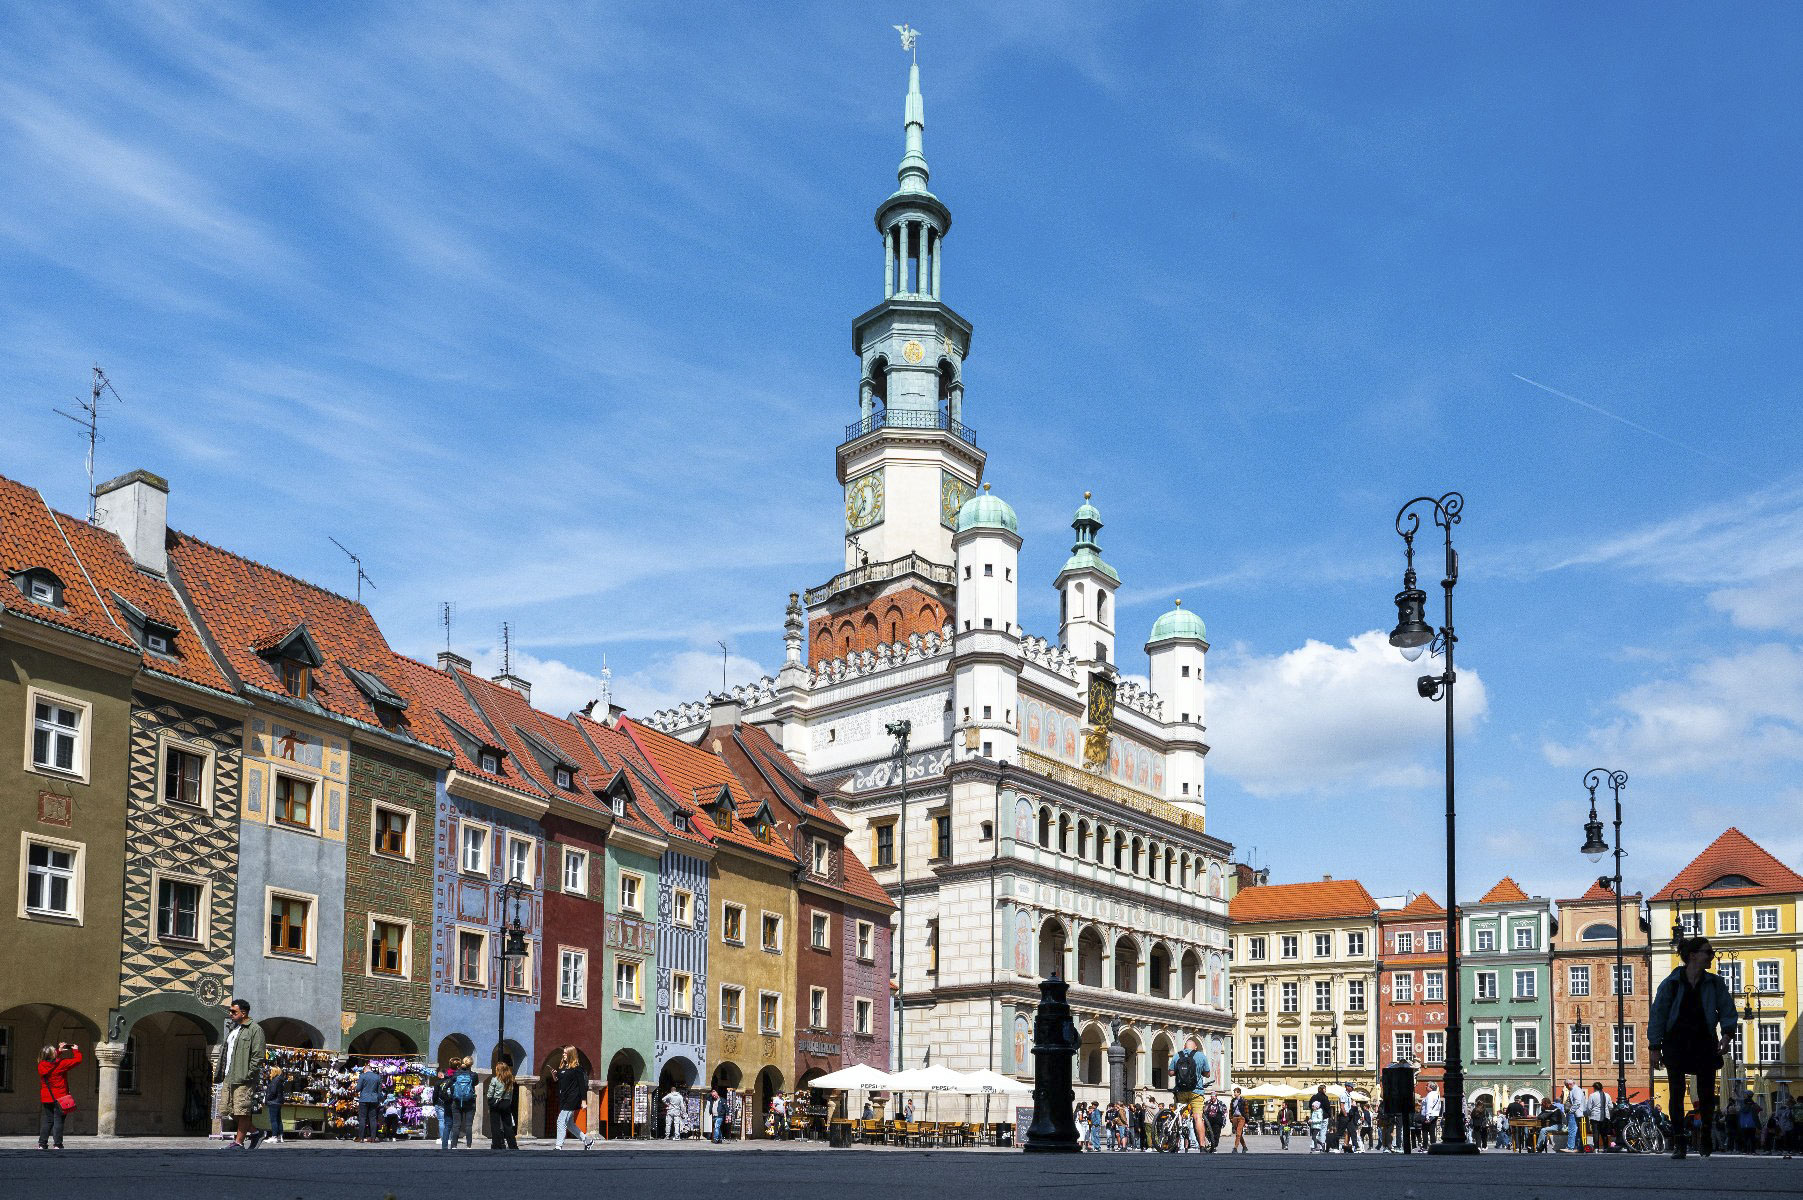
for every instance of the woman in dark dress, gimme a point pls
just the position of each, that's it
(1693, 1024)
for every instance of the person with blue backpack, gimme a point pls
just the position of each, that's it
(463, 1103)
(1190, 1074)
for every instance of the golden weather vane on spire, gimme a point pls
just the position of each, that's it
(908, 35)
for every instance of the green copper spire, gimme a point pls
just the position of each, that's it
(1087, 553)
(913, 172)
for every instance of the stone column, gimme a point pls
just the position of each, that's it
(888, 262)
(522, 1113)
(938, 247)
(106, 1110)
(479, 1119)
(913, 236)
(1117, 1070)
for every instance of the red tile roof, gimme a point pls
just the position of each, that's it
(113, 572)
(244, 604)
(1421, 906)
(1734, 853)
(698, 776)
(441, 705)
(1506, 891)
(1302, 901)
(31, 536)
(620, 752)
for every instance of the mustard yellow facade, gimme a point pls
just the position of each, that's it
(751, 973)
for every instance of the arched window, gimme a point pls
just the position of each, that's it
(1120, 851)
(1183, 878)
(1102, 844)
(1138, 848)
(1045, 827)
(1064, 834)
(879, 382)
(1102, 606)
(1170, 865)
(1082, 839)
(1597, 933)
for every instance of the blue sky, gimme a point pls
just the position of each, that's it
(545, 310)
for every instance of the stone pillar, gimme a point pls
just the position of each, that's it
(938, 248)
(529, 1085)
(1117, 1069)
(913, 237)
(479, 1119)
(888, 262)
(106, 1109)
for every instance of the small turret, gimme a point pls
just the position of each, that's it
(1177, 650)
(985, 690)
(1087, 585)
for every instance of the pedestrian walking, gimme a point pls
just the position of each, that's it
(572, 1094)
(1319, 1112)
(275, 1094)
(503, 1107)
(1752, 1119)
(240, 1067)
(1432, 1106)
(1597, 1110)
(1190, 1073)
(54, 1101)
(716, 1114)
(369, 1102)
(673, 1106)
(1693, 1023)
(1573, 1100)
(1236, 1114)
(442, 1101)
(463, 1103)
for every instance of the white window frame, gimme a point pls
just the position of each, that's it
(863, 1016)
(482, 959)
(1289, 946)
(1631, 1041)
(1323, 995)
(376, 809)
(1402, 1045)
(682, 994)
(636, 1001)
(316, 802)
(1433, 1046)
(576, 857)
(817, 1006)
(1478, 990)
(530, 875)
(1481, 934)
(203, 919)
(1524, 936)
(77, 881)
(1728, 921)
(564, 778)
(1690, 923)
(483, 758)
(1324, 945)
(1323, 1050)
(1255, 1050)
(866, 944)
(1733, 974)
(1402, 987)
(637, 906)
(682, 907)
(205, 751)
(726, 1019)
(1355, 1049)
(725, 925)
(1355, 943)
(1255, 997)
(1290, 1050)
(528, 973)
(1477, 1042)
(1405, 942)
(1577, 980)
(1528, 976)
(1255, 949)
(1624, 976)
(820, 931)
(572, 976)
(1289, 996)
(774, 1029)
(1433, 987)
(270, 895)
(1765, 920)
(84, 725)
(1775, 1043)
(764, 916)
(1760, 973)
(1433, 941)
(1516, 1031)
(821, 856)
(464, 826)
(369, 935)
(1580, 1044)
(1355, 995)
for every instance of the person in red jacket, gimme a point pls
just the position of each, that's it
(54, 1065)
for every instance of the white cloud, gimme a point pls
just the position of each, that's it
(1734, 710)
(1324, 718)
(559, 688)
(1772, 603)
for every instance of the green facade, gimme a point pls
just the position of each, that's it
(1505, 997)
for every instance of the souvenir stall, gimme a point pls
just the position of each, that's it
(322, 1092)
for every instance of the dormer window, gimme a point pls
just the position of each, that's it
(157, 643)
(619, 806)
(563, 777)
(293, 656)
(40, 586)
(297, 677)
(681, 821)
(490, 761)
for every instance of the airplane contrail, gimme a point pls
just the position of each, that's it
(1623, 420)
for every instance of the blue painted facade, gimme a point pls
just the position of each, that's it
(463, 900)
(682, 947)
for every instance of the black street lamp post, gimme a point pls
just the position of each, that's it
(1594, 849)
(899, 730)
(1334, 1035)
(512, 937)
(1412, 636)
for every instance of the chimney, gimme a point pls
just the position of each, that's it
(135, 507)
(508, 679)
(450, 660)
(722, 710)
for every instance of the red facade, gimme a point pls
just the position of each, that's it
(1411, 1027)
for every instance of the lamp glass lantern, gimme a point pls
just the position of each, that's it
(1412, 635)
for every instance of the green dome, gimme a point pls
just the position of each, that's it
(1087, 512)
(983, 511)
(1176, 624)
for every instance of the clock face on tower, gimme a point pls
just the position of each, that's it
(953, 492)
(864, 501)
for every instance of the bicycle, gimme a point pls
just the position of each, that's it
(1636, 1130)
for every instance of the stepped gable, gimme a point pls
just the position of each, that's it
(248, 607)
(1506, 891)
(442, 704)
(116, 577)
(1734, 855)
(1302, 901)
(31, 536)
(698, 775)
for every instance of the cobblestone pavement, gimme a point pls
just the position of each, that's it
(191, 1169)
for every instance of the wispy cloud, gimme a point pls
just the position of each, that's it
(1617, 417)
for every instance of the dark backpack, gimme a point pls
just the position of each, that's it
(1185, 1077)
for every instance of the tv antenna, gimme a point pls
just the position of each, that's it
(506, 648)
(446, 610)
(722, 646)
(362, 575)
(90, 423)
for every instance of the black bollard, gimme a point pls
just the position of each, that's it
(1055, 1044)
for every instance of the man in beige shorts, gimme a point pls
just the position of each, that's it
(1190, 1067)
(240, 1070)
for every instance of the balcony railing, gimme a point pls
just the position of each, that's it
(911, 418)
(880, 572)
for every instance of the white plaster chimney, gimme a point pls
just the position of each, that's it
(135, 507)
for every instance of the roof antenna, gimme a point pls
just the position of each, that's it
(607, 687)
(446, 610)
(90, 422)
(722, 646)
(506, 648)
(362, 575)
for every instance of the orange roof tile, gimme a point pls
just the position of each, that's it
(1421, 906)
(243, 604)
(1302, 901)
(697, 775)
(117, 577)
(31, 536)
(1734, 853)
(1506, 891)
(442, 705)
(648, 796)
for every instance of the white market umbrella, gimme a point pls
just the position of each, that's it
(927, 1080)
(993, 1082)
(1361, 1098)
(1269, 1091)
(854, 1078)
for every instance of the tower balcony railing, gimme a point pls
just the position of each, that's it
(911, 418)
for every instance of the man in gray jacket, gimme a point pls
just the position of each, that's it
(240, 1069)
